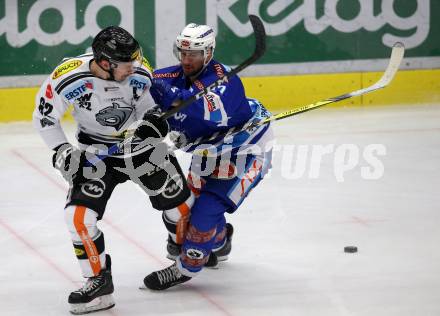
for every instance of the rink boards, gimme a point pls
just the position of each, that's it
(284, 92)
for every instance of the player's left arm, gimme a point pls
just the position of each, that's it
(215, 108)
(49, 109)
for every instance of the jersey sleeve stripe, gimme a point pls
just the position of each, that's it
(72, 78)
(140, 71)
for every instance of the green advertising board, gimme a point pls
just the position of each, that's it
(303, 35)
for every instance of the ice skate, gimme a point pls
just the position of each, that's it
(163, 279)
(95, 295)
(223, 252)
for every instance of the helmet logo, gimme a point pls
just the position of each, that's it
(186, 43)
(206, 33)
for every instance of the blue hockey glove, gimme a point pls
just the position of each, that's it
(165, 94)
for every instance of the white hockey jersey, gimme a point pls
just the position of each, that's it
(103, 109)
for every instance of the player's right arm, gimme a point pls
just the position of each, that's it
(49, 109)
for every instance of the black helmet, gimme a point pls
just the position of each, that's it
(115, 44)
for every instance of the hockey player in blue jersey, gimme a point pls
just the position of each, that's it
(222, 171)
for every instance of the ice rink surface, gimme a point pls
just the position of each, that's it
(287, 256)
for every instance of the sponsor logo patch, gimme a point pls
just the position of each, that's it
(78, 90)
(49, 92)
(93, 188)
(66, 67)
(173, 187)
(167, 75)
(199, 85)
(210, 102)
(194, 254)
(206, 33)
(219, 71)
(109, 89)
(46, 122)
(114, 116)
(88, 85)
(79, 252)
(84, 101)
(138, 84)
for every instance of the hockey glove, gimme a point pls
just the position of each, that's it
(66, 160)
(165, 94)
(152, 127)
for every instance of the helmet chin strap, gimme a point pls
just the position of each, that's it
(110, 72)
(203, 68)
(200, 71)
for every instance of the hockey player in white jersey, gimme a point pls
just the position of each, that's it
(109, 91)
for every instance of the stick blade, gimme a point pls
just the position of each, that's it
(395, 60)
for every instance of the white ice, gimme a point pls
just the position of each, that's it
(287, 256)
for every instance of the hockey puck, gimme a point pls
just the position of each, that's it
(350, 249)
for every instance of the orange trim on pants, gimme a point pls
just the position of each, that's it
(89, 245)
(182, 224)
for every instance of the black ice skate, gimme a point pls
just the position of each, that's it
(163, 279)
(95, 295)
(220, 254)
(173, 249)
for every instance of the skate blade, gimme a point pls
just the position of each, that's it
(171, 257)
(223, 258)
(98, 304)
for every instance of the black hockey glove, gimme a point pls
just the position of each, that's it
(152, 127)
(66, 160)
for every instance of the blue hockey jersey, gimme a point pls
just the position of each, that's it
(219, 110)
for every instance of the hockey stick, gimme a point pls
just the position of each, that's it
(260, 48)
(393, 65)
(396, 58)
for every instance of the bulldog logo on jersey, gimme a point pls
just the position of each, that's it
(114, 116)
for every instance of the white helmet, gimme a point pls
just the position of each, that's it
(196, 37)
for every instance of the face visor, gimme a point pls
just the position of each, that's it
(190, 55)
(134, 61)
